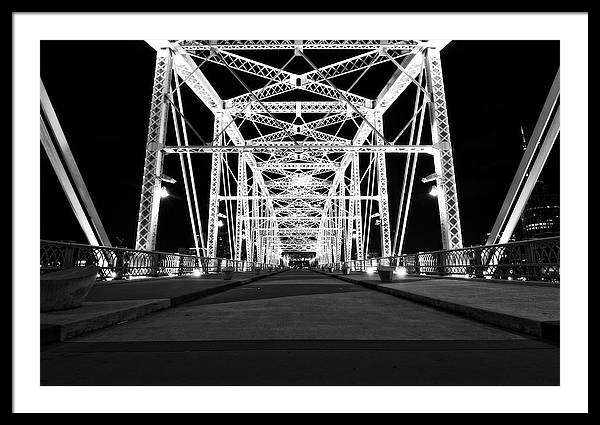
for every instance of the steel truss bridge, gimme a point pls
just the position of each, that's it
(282, 173)
(295, 175)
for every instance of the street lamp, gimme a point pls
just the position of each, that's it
(163, 192)
(432, 178)
(221, 223)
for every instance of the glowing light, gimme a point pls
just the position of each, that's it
(371, 270)
(434, 191)
(163, 192)
(221, 224)
(196, 272)
(113, 274)
(301, 180)
(400, 271)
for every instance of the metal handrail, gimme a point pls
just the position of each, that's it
(535, 259)
(125, 263)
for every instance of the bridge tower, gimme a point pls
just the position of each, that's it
(295, 175)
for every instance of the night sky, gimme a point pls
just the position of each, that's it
(101, 93)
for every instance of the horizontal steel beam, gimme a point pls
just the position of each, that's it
(193, 45)
(294, 197)
(291, 107)
(306, 146)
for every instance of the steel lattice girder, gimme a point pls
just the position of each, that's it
(326, 198)
(444, 164)
(151, 184)
(193, 45)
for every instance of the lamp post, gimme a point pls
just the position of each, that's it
(434, 191)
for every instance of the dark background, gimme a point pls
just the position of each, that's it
(101, 93)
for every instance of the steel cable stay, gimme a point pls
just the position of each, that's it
(406, 170)
(369, 205)
(192, 177)
(412, 178)
(185, 180)
(227, 191)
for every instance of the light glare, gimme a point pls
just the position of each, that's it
(400, 271)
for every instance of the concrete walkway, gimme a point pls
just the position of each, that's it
(121, 301)
(532, 308)
(301, 328)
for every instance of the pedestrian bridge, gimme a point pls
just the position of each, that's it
(299, 164)
(305, 327)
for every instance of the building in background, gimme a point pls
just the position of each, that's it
(541, 216)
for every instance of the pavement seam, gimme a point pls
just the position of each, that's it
(60, 333)
(540, 329)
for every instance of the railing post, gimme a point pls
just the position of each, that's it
(181, 265)
(68, 257)
(119, 264)
(532, 261)
(441, 262)
(477, 263)
(154, 264)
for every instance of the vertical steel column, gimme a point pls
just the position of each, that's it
(215, 184)
(444, 164)
(338, 223)
(259, 230)
(384, 213)
(350, 219)
(241, 183)
(256, 219)
(360, 255)
(153, 164)
(246, 207)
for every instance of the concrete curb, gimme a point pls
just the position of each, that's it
(50, 333)
(549, 330)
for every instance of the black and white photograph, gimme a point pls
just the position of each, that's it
(300, 212)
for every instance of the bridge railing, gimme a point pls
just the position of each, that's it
(536, 259)
(123, 263)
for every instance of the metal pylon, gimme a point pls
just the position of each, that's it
(444, 164)
(153, 164)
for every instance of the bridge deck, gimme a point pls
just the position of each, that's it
(301, 328)
(530, 307)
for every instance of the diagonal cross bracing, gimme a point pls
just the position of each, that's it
(284, 181)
